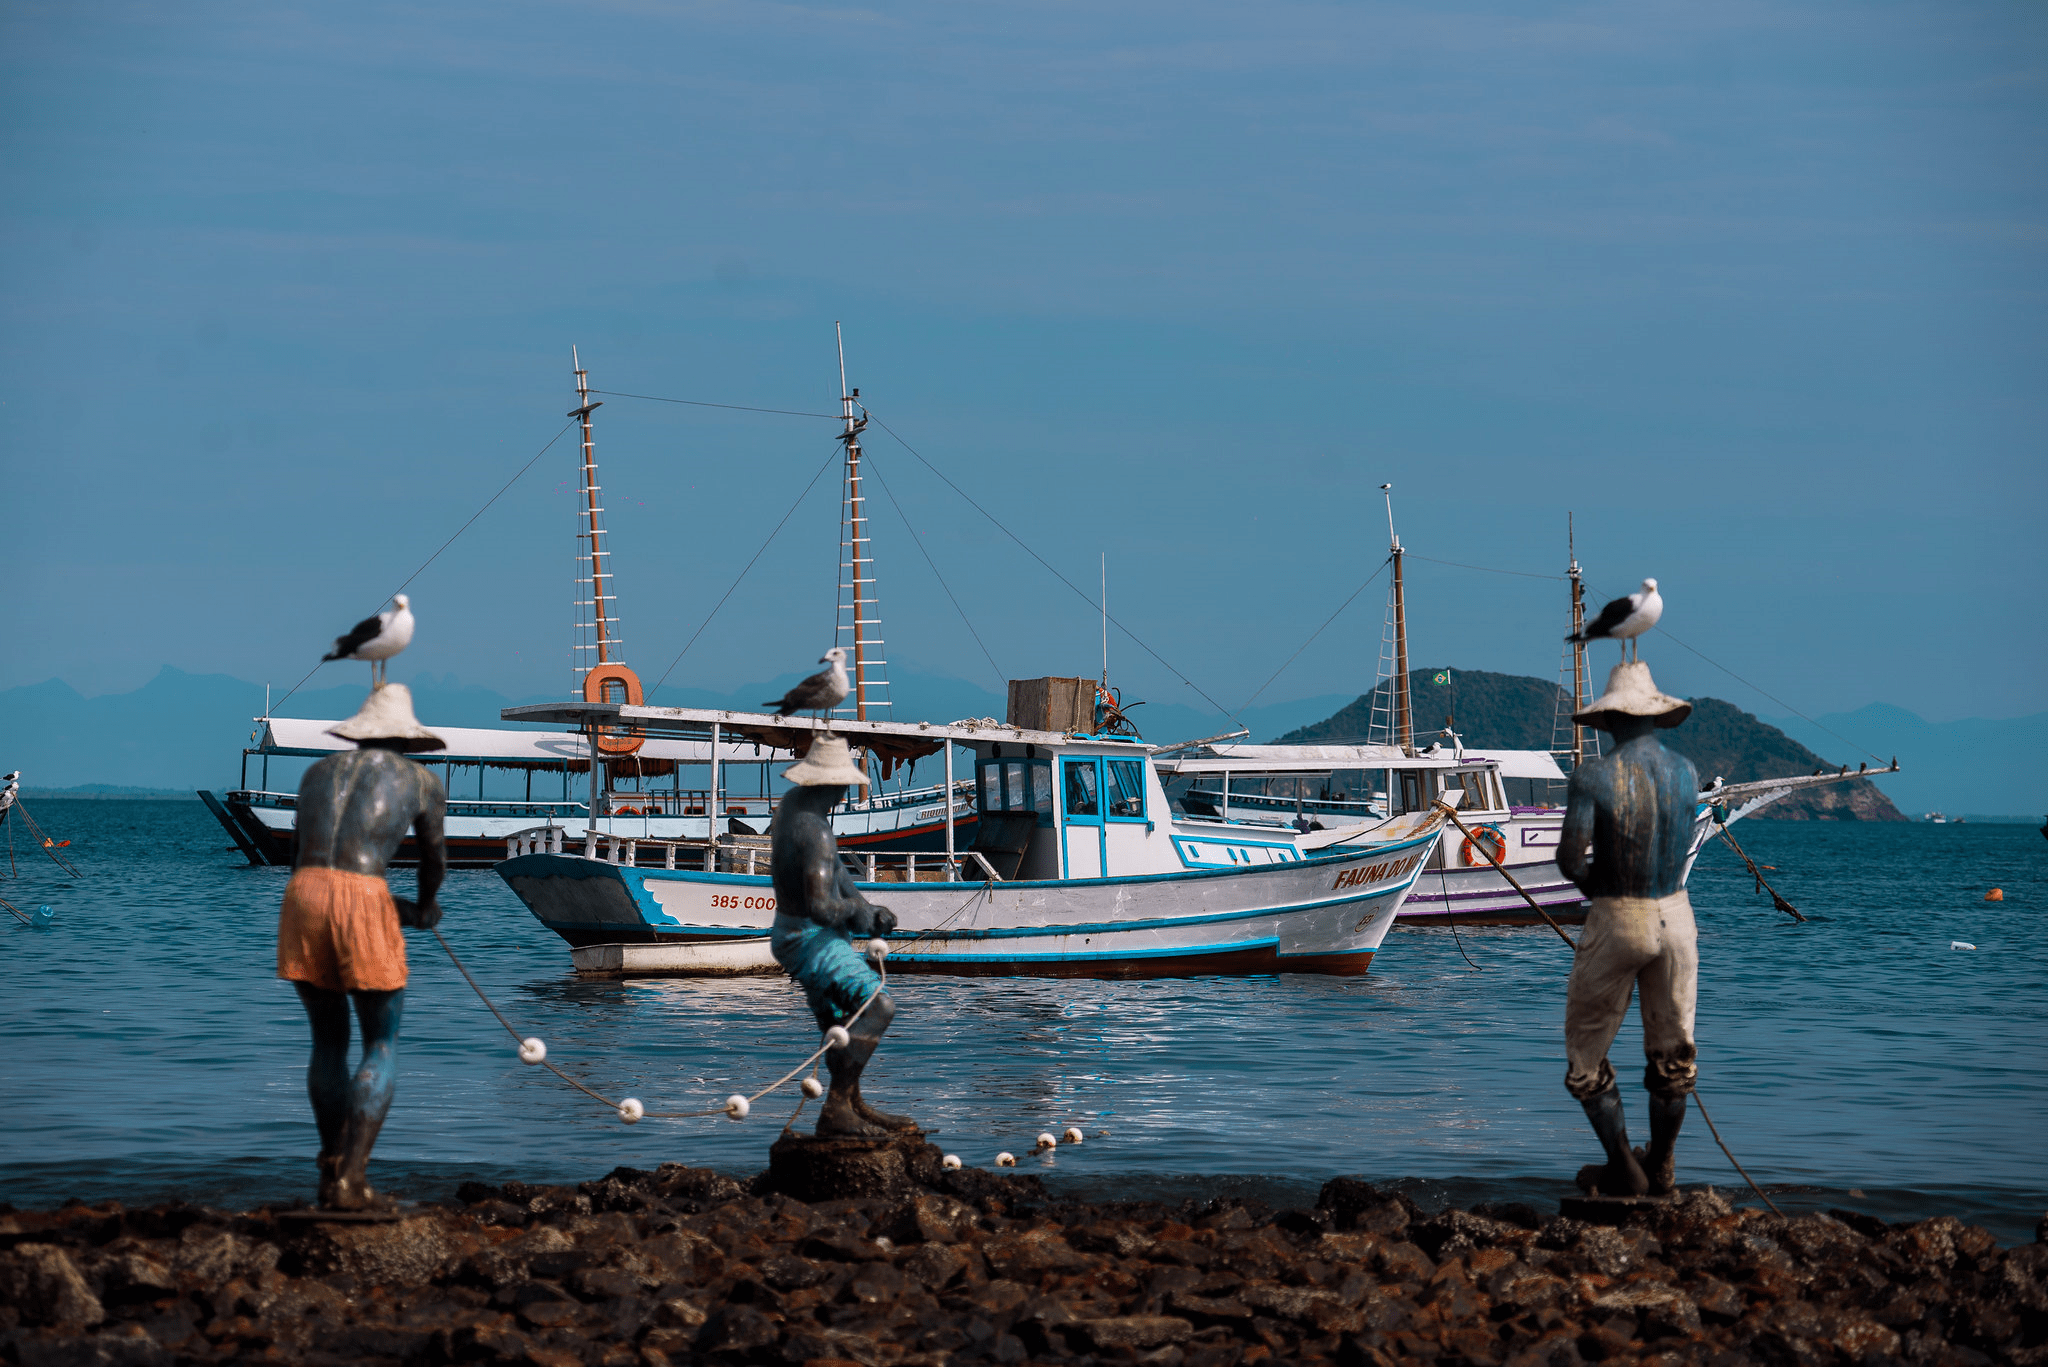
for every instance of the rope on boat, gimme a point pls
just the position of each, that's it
(1483, 848)
(1761, 886)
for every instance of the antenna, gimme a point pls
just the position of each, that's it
(1105, 619)
(1393, 540)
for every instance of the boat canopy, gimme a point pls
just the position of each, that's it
(1213, 759)
(891, 740)
(469, 744)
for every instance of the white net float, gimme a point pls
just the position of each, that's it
(951, 1160)
(878, 949)
(813, 1088)
(837, 1038)
(1046, 1141)
(630, 1110)
(532, 1049)
(1072, 1136)
(737, 1106)
(1006, 1160)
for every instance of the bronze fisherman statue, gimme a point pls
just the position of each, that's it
(1634, 808)
(818, 914)
(338, 937)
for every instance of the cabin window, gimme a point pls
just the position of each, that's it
(992, 788)
(1041, 790)
(1126, 791)
(1411, 790)
(1080, 778)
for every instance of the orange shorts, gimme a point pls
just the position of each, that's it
(339, 930)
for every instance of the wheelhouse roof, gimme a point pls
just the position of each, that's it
(1302, 759)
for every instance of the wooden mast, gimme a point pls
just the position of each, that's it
(1578, 647)
(1404, 709)
(858, 570)
(600, 575)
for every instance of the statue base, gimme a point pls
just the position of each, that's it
(833, 1168)
(1609, 1210)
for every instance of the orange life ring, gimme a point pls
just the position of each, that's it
(1483, 835)
(614, 742)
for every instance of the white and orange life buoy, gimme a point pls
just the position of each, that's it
(1488, 836)
(614, 741)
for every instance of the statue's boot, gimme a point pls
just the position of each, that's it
(1621, 1175)
(344, 1183)
(842, 1115)
(885, 1119)
(1660, 1163)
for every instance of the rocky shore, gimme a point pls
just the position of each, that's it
(683, 1265)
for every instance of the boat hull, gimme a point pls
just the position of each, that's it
(1323, 915)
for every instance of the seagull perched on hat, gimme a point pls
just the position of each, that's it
(1624, 619)
(376, 639)
(826, 688)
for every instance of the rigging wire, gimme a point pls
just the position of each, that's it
(702, 403)
(1317, 632)
(1484, 569)
(444, 546)
(743, 573)
(1080, 593)
(1002, 679)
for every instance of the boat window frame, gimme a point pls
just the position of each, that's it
(1102, 788)
(993, 772)
(1067, 813)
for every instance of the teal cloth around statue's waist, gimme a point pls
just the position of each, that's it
(825, 963)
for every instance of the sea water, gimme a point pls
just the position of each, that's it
(1854, 1060)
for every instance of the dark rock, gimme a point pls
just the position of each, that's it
(1132, 1331)
(1025, 1256)
(46, 1287)
(737, 1329)
(1360, 1205)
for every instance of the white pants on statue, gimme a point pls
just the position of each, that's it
(1630, 942)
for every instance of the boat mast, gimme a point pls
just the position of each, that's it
(1578, 647)
(1404, 710)
(857, 570)
(603, 614)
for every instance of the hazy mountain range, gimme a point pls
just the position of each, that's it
(184, 731)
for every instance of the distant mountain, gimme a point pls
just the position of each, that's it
(1515, 712)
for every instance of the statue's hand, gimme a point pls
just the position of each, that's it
(413, 916)
(885, 922)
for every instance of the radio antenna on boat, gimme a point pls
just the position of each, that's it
(857, 625)
(1105, 621)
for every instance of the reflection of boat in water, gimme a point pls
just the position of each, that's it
(492, 775)
(1078, 868)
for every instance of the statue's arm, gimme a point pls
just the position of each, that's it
(1577, 833)
(429, 829)
(836, 902)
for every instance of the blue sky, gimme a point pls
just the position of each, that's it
(1756, 291)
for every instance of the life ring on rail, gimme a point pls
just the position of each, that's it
(614, 741)
(1483, 835)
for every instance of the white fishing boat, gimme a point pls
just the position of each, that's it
(1079, 867)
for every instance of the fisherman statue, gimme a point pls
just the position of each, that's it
(338, 937)
(1634, 808)
(818, 915)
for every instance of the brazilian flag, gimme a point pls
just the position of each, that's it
(1442, 678)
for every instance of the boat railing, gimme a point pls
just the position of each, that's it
(667, 802)
(746, 854)
(263, 797)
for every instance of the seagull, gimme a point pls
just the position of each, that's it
(826, 688)
(376, 639)
(1624, 619)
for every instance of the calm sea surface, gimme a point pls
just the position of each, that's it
(1854, 1060)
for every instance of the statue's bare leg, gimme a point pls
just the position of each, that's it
(369, 1101)
(327, 1074)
